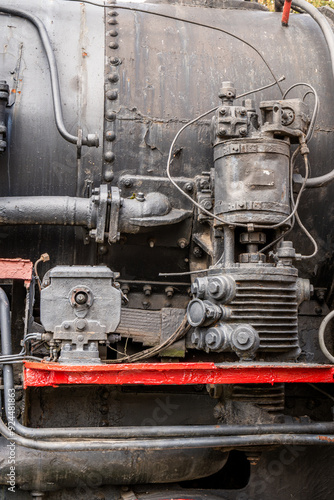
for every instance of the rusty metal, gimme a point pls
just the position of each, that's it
(16, 269)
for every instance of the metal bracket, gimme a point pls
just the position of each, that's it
(101, 213)
(115, 204)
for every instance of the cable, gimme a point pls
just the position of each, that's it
(188, 21)
(301, 225)
(321, 336)
(310, 129)
(322, 392)
(43, 258)
(186, 273)
(264, 249)
(153, 351)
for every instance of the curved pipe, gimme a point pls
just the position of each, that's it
(199, 434)
(324, 25)
(322, 329)
(91, 139)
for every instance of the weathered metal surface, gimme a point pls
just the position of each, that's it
(64, 470)
(142, 60)
(52, 374)
(16, 269)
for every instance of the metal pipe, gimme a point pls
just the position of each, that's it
(322, 329)
(228, 245)
(286, 12)
(55, 210)
(91, 139)
(324, 25)
(169, 443)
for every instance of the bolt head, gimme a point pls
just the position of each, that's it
(195, 337)
(197, 252)
(243, 338)
(210, 338)
(81, 325)
(207, 204)
(221, 132)
(213, 287)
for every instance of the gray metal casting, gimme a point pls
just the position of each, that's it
(80, 306)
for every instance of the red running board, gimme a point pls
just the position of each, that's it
(54, 374)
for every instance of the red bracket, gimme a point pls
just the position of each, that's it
(54, 374)
(16, 269)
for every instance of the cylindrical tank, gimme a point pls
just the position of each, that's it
(135, 78)
(252, 181)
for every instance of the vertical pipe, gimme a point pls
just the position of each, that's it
(286, 12)
(228, 245)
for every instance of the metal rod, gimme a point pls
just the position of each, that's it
(228, 246)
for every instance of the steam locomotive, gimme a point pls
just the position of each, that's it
(166, 260)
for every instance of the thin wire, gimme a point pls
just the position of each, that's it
(320, 390)
(180, 332)
(195, 23)
(301, 225)
(264, 249)
(315, 109)
(186, 273)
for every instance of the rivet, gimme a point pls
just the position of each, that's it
(110, 135)
(109, 156)
(112, 94)
(113, 33)
(110, 115)
(112, 13)
(113, 77)
(112, 21)
(108, 175)
(113, 45)
(115, 61)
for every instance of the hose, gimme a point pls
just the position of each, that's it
(91, 139)
(322, 329)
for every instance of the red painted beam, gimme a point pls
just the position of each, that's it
(54, 374)
(16, 269)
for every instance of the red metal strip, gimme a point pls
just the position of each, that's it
(286, 12)
(54, 374)
(16, 269)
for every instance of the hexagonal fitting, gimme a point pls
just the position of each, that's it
(245, 341)
(221, 288)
